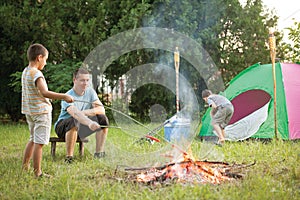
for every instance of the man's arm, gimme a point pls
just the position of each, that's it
(97, 109)
(82, 118)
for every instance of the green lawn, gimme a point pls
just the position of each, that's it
(276, 174)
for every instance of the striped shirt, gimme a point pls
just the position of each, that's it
(33, 103)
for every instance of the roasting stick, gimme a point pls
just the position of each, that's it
(148, 136)
(153, 132)
(119, 113)
(115, 111)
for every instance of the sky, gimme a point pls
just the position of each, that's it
(288, 12)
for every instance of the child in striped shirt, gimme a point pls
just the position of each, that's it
(37, 107)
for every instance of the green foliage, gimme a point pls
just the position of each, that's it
(60, 76)
(60, 79)
(16, 81)
(243, 37)
(68, 38)
(148, 95)
(13, 33)
(289, 51)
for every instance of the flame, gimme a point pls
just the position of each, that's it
(189, 155)
(187, 171)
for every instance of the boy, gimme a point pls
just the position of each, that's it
(37, 107)
(221, 112)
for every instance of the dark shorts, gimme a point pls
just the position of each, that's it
(65, 125)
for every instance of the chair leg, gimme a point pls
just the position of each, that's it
(81, 148)
(53, 148)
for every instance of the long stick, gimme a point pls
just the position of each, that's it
(173, 145)
(272, 43)
(115, 111)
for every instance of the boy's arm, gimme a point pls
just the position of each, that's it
(41, 85)
(213, 105)
(213, 111)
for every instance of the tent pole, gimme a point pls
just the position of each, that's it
(272, 45)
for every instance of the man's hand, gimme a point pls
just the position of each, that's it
(94, 126)
(68, 98)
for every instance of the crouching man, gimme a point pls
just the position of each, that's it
(83, 117)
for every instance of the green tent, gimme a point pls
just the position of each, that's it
(251, 92)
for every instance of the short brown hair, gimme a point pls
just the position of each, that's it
(206, 93)
(35, 50)
(80, 71)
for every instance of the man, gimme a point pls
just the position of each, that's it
(82, 118)
(221, 112)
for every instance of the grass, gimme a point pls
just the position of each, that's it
(276, 174)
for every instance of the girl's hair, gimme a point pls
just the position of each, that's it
(206, 93)
(80, 71)
(35, 50)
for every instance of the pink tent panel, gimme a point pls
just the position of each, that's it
(291, 80)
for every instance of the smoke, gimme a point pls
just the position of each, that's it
(192, 56)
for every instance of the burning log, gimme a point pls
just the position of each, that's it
(189, 171)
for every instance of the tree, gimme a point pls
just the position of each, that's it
(12, 56)
(234, 36)
(69, 30)
(289, 51)
(243, 37)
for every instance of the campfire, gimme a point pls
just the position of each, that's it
(188, 171)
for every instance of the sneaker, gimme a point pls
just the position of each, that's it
(69, 159)
(44, 175)
(218, 144)
(99, 155)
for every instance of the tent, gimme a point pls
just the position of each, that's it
(251, 93)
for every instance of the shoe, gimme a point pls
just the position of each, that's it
(43, 175)
(99, 155)
(69, 159)
(218, 144)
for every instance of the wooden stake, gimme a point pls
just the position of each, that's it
(176, 62)
(272, 44)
